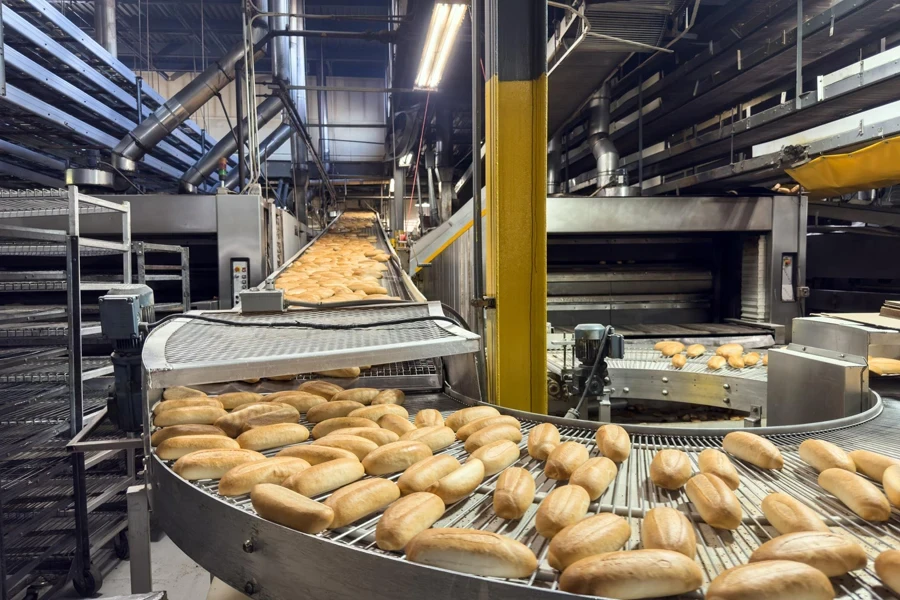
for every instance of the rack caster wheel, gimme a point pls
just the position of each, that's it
(120, 545)
(88, 583)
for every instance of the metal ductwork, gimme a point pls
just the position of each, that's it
(268, 109)
(299, 151)
(105, 25)
(554, 163)
(444, 161)
(602, 147)
(267, 147)
(143, 138)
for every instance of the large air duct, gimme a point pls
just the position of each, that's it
(267, 147)
(143, 138)
(299, 151)
(268, 109)
(105, 25)
(602, 147)
(554, 162)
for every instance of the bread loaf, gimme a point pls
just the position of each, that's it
(513, 493)
(302, 401)
(374, 413)
(265, 404)
(316, 455)
(716, 362)
(233, 424)
(376, 434)
(166, 433)
(177, 447)
(771, 580)
(595, 535)
(331, 410)
(357, 500)
(357, 445)
(891, 482)
(736, 361)
(563, 506)
(398, 425)
(679, 360)
(362, 395)
(887, 567)
(325, 477)
(343, 373)
(789, 515)
(492, 434)
(429, 417)
(406, 518)
(872, 464)
(821, 455)
(288, 377)
(425, 473)
(284, 414)
(273, 436)
(241, 479)
(212, 464)
(395, 457)
(285, 507)
(464, 432)
(542, 439)
(754, 449)
(564, 459)
(716, 463)
(658, 346)
(670, 348)
(496, 456)
(670, 469)
(467, 415)
(856, 493)
(271, 397)
(635, 574)
(665, 528)
(613, 442)
(695, 350)
(765, 360)
(189, 415)
(436, 438)
(727, 350)
(751, 359)
(460, 482)
(390, 397)
(594, 476)
(328, 426)
(828, 552)
(714, 500)
(472, 551)
(320, 388)
(185, 402)
(179, 392)
(232, 400)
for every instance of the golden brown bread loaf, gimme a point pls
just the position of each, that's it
(331, 410)
(320, 388)
(856, 493)
(594, 476)
(765, 360)
(472, 551)
(179, 392)
(406, 518)
(316, 455)
(161, 435)
(754, 449)
(513, 493)
(189, 415)
(436, 438)
(395, 457)
(285, 507)
(671, 348)
(727, 350)
(716, 362)
(233, 424)
(325, 477)
(492, 434)
(542, 439)
(634, 574)
(376, 434)
(828, 552)
(563, 506)
(872, 464)
(398, 425)
(302, 401)
(679, 360)
(390, 397)
(429, 417)
(357, 445)
(425, 473)
(665, 528)
(751, 359)
(887, 567)
(613, 442)
(821, 455)
(564, 459)
(695, 350)
(362, 395)
(360, 499)
(342, 373)
(284, 414)
(273, 436)
(335, 424)
(714, 500)
(232, 400)
(717, 463)
(736, 361)
(242, 478)
(177, 447)
(185, 402)
(771, 580)
(670, 469)
(789, 515)
(891, 482)
(496, 456)
(601, 533)
(212, 464)
(460, 482)
(464, 432)
(465, 416)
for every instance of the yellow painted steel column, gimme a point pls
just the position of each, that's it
(516, 178)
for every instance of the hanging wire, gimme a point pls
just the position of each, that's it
(418, 157)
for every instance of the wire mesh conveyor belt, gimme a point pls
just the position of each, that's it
(630, 495)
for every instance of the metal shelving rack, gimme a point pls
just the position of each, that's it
(58, 507)
(150, 273)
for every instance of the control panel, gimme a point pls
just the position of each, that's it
(240, 278)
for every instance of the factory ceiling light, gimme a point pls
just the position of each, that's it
(445, 22)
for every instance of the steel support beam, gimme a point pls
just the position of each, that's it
(516, 169)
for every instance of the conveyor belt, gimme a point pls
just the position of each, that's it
(215, 530)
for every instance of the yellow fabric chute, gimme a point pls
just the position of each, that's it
(871, 167)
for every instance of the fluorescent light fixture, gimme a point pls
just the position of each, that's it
(445, 23)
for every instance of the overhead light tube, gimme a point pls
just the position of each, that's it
(445, 23)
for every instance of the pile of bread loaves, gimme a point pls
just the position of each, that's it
(362, 436)
(732, 355)
(344, 265)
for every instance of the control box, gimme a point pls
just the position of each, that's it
(240, 279)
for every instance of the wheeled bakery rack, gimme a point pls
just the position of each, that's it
(58, 507)
(154, 272)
